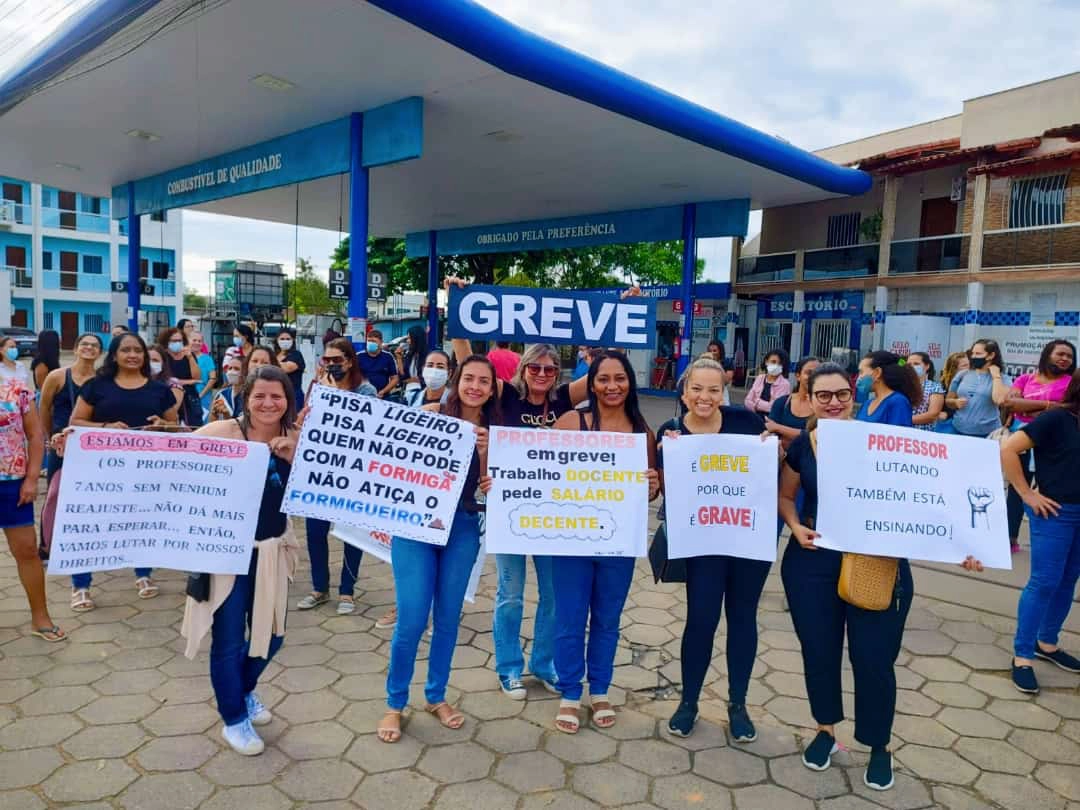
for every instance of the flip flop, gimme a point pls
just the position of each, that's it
(50, 634)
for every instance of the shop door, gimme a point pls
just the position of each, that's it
(829, 334)
(66, 204)
(938, 219)
(69, 329)
(773, 334)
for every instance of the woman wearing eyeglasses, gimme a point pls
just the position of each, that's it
(338, 368)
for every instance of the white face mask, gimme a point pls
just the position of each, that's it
(285, 344)
(435, 377)
(155, 368)
(233, 377)
(774, 369)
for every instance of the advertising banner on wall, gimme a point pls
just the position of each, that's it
(905, 334)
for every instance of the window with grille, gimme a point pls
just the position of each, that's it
(1035, 202)
(843, 230)
(49, 321)
(93, 323)
(91, 264)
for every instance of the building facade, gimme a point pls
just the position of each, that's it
(971, 230)
(62, 252)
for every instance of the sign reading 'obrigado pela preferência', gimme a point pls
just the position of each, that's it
(529, 315)
(137, 499)
(379, 465)
(902, 492)
(580, 493)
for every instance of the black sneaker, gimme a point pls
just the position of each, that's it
(818, 755)
(682, 722)
(1061, 658)
(878, 774)
(1023, 678)
(742, 727)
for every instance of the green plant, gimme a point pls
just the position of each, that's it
(870, 228)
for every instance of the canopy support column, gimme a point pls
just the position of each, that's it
(433, 290)
(358, 233)
(689, 272)
(134, 283)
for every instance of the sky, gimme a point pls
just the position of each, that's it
(814, 73)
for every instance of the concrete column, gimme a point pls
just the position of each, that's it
(978, 225)
(37, 272)
(972, 307)
(888, 222)
(732, 317)
(798, 325)
(881, 304)
(358, 233)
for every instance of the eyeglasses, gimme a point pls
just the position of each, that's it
(825, 397)
(333, 361)
(542, 371)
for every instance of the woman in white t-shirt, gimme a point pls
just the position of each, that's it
(11, 368)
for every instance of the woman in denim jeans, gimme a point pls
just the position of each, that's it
(1054, 513)
(431, 580)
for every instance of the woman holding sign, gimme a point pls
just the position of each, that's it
(431, 580)
(123, 395)
(238, 605)
(710, 578)
(896, 390)
(592, 590)
(810, 575)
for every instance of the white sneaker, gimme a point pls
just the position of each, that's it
(243, 739)
(258, 714)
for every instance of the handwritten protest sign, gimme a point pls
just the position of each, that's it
(379, 466)
(720, 495)
(900, 492)
(139, 499)
(567, 493)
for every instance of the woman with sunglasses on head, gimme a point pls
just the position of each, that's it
(591, 591)
(710, 579)
(926, 414)
(976, 395)
(896, 390)
(810, 575)
(431, 580)
(245, 613)
(338, 368)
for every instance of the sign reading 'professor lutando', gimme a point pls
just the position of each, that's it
(902, 492)
(527, 315)
(137, 499)
(579, 493)
(379, 466)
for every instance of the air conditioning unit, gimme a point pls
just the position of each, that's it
(7, 213)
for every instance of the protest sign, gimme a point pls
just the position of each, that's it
(551, 316)
(901, 492)
(379, 466)
(720, 495)
(567, 492)
(140, 499)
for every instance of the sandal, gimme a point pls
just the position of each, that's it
(568, 720)
(147, 588)
(50, 634)
(446, 714)
(603, 716)
(81, 601)
(389, 733)
(387, 620)
(345, 606)
(313, 600)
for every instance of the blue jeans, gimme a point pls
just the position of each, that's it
(509, 602)
(318, 548)
(588, 591)
(1055, 568)
(81, 581)
(232, 672)
(429, 580)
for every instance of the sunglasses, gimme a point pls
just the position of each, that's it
(333, 361)
(825, 397)
(542, 371)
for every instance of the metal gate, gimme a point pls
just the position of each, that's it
(772, 334)
(826, 335)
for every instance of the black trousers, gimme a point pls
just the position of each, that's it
(1014, 504)
(820, 617)
(709, 580)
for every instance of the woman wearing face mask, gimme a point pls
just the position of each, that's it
(591, 591)
(810, 575)
(771, 385)
(431, 580)
(976, 395)
(123, 395)
(897, 391)
(229, 401)
(10, 367)
(926, 413)
(411, 363)
(243, 340)
(292, 362)
(1030, 395)
(208, 376)
(160, 373)
(864, 383)
(789, 413)
(712, 578)
(435, 373)
(338, 369)
(182, 367)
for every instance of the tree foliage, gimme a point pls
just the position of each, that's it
(308, 294)
(193, 299)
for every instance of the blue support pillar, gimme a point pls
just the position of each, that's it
(433, 290)
(358, 233)
(134, 283)
(689, 273)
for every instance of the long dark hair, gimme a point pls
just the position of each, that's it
(489, 412)
(926, 362)
(48, 349)
(631, 406)
(356, 374)
(800, 365)
(245, 331)
(1048, 349)
(272, 374)
(898, 377)
(991, 347)
(417, 352)
(109, 367)
(785, 361)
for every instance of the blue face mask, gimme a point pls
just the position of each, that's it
(12, 354)
(238, 342)
(863, 386)
(176, 347)
(372, 347)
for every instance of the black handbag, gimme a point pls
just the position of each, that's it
(663, 569)
(198, 587)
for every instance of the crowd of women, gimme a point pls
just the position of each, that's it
(580, 599)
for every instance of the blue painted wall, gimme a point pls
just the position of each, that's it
(93, 316)
(51, 248)
(150, 255)
(25, 305)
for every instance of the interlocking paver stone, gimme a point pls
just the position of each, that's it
(790, 772)
(1024, 714)
(769, 797)
(937, 765)
(610, 784)
(473, 795)
(190, 719)
(21, 800)
(70, 675)
(729, 767)
(374, 756)
(167, 791)
(118, 709)
(27, 767)
(401, 790)
(184, 753)
(95, 742)
(654, 757)
(689, 792)
(907, 792)
(531, 772)
(315, 740)
(130, 682)
(587, 746)
(959, 695)
(88, 780)
(1063, 779)
(974, 723)
(994, 755)
(317, 780)
(33, 732)
(923, 731)
(56, 699)
(1047, 746)
(262, 797)
(954, 798)
(234, 770)
(1017, 792)
(459, 762)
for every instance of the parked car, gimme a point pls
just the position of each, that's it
(25, 339)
